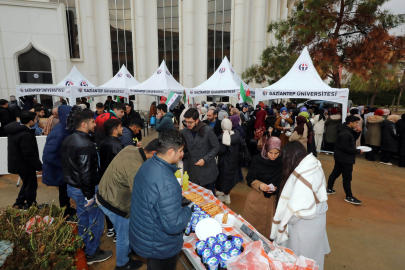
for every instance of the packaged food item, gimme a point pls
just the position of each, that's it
(196, 208)
(221, 237)
(237, 241)
(228, 245)
(207, 216)
(188, 229)
(217, 248)
(194, 197)
(211, 241)
(205, 254)
(223, 259)
(200, 245)
(194, 222)
(213, 263)
(234, 252)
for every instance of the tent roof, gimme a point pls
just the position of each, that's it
(123, 79)
(75, 78)
(224, 78)
(161, 82)
(301, 77)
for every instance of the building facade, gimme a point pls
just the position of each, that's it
(40, 41)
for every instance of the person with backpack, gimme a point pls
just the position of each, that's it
(116, 113)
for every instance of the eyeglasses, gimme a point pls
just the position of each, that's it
(187, 123)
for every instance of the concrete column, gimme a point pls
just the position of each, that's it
(273, 11)
(238, 34)
(290, 6)
(91, 42)
(189, 40)
(200, 42)
(140, 38)
(259, 28)
(283, 9)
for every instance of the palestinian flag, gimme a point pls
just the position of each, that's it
(172, 100)
(244, 96)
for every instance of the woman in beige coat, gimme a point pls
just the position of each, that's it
(373, 135)
(319, 128)
(265, 169)
(301, 131)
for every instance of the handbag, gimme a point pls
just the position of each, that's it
(243, 154)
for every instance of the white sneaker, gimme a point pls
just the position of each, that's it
(389, 163)
(225, 198)
(219, 193)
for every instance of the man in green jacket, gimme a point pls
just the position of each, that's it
(164, 119)
(114, 196)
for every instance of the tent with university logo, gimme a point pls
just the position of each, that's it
(161, 83)
(224, 82)
(303, 81)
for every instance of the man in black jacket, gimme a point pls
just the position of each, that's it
(213, 122)
(80, 165)
(109, 103)
(23, 158)
(5, 117)
(345, 157)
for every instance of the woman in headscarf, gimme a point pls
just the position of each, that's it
(386, 114)
(334, 120)
(300, 219)
(373, 135)
(355, 112)
(370, 112)
(235, 119)
(260, 128)
(270, 119)
(51, 122)
(283, 123)
(203, 115)
(311, 148)
(265, 169)
(319, 128)
(389, 139)
(295, 113)
(153, 110)
(301, 131)
(400, 126)
(228, 159)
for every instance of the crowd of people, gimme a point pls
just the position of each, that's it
(97, 159)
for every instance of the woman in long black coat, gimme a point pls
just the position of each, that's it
(400, 125)
(228, 160)
(389, 139)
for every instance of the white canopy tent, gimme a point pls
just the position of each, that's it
(303, 81)
(224, 82)
(123, 79)
(161, 83)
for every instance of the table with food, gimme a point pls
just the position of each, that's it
(217, 238)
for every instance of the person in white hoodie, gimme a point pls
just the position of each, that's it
(319, 128)
(300, 220)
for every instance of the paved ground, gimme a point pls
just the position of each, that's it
(369, 236)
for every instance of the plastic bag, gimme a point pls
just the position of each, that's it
(41, 222)
(252, 258)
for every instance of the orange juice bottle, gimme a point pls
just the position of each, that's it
(185, 181)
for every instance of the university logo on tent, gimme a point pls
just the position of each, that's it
(191, 92)
(22, 90)
(221, 70)
(80, 90)
(119, 75)
(129, 76)
(232, 71)
(159, 71)
(69, 83)
(167, 72)
(83, 83)
(303, 67)
(264, 93)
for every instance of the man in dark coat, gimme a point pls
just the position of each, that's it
(15, 110)
(109, 104)
(80, 172)
(400, 126)
(202, 148)
(116, 113)
(129, 115)
(157, 217)
(52, 174)
(130, 133)
(23, 158)
(389, 140)
(212, 121)
(5, 117)
(345, 157)
(28, 102)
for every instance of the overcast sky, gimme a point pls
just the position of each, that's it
(396, 7)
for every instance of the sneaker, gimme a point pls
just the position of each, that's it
(110, 233)
(99, 256)
(330, 191)
(115, 238)
(219, 193)
(72, 219)
(131, 264)
(352, 200)
(225, 198)
(21, 206)
(387, 163)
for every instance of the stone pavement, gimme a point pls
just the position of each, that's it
(369, 236)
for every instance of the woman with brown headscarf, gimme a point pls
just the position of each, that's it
(282, 123)
(260, 128)
(301, 131)
(51, 122)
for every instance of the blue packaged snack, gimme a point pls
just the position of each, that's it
(194, 222)
(237, 241)
(196, 208)
(207, 216)
(228, 245)
(217, 248)
(211, 241)
(200, 245)
(221, 237)
(200, 218)
(223, 259)
(234, 252)
(212, 263)
(188, 229)
(205, 254)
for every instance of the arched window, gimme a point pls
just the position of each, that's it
(34, 67)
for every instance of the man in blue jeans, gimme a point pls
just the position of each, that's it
(80, 172)
(114, 196)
